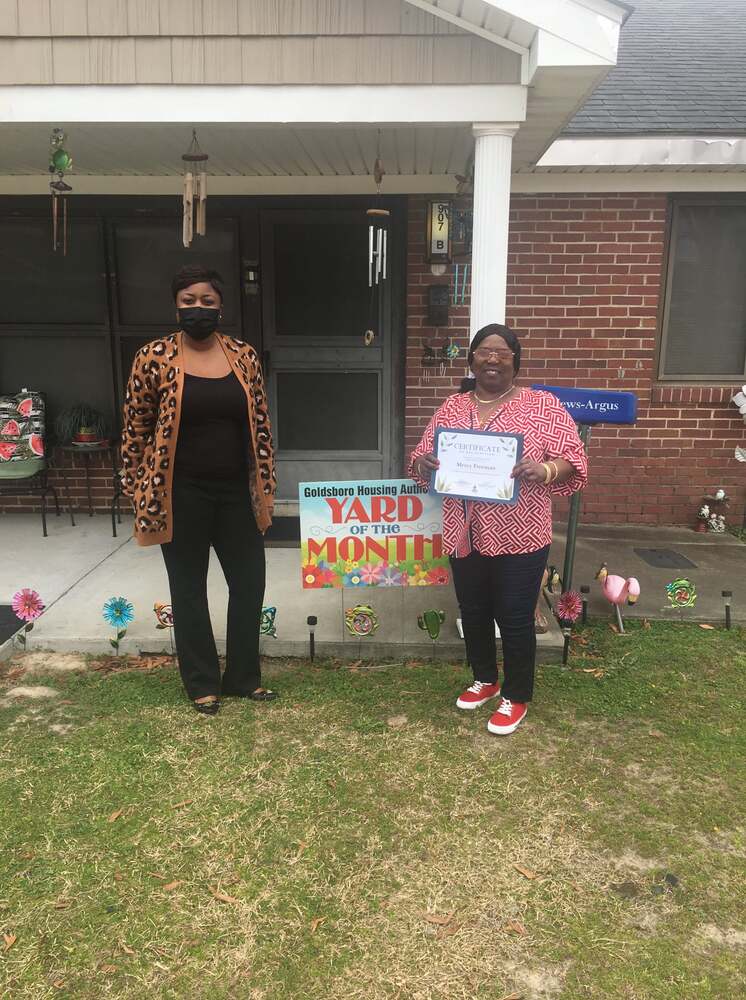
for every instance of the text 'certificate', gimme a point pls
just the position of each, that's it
(476, 465)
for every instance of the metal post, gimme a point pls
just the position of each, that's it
(572, 521)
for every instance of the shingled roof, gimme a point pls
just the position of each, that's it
(681, 70)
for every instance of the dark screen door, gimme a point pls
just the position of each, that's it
(330, 393)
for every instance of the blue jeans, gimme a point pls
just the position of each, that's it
(502, 589)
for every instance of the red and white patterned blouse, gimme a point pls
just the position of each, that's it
(500, 529)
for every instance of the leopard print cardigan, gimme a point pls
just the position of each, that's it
(152, 411)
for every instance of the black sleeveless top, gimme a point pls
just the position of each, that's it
(213, 438)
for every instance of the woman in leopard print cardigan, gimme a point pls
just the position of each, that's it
(198, 464)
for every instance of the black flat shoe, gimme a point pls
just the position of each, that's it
(263, 694)
(207, 707)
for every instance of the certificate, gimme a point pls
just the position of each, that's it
(476, 465)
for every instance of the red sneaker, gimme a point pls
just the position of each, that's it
(477, 695)
(508, 717)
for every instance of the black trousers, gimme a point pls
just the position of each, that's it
(502, 589)
(215, 514)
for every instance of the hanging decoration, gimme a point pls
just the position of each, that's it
(361, 620)
(267, 622)
(195, 191)
(27, 607)
(119, 613)
(430, 621)
(60, 162)
(378, 236)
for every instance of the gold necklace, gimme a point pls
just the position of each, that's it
(496, 399)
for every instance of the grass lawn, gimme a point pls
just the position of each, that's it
(362, 838)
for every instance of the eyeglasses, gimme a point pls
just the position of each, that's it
(483, 353)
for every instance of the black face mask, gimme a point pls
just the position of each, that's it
(198, 322)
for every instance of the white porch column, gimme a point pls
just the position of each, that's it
(489, 262)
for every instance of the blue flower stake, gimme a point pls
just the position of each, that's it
(118, 612)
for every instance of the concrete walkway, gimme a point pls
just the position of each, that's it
(77, 569)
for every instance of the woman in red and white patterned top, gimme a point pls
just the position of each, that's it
(499, 551)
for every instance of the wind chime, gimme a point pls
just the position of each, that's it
(60, 162)
(195, 191)
(378, 226)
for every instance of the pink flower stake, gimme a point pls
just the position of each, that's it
(27, 606)
(568, 608)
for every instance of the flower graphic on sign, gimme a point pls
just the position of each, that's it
(371, 575)
(391, 577)
(353, 579)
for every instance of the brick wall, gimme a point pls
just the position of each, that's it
(584, 285)
(67, 474)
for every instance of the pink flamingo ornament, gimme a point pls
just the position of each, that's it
(617, 590)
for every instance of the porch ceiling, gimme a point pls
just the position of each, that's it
(242, 150)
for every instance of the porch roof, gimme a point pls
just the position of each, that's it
(325, 134)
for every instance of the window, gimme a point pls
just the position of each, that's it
(704, 322)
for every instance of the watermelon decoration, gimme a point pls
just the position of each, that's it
(7, 451)
(10, 429)
(36, 444)
(25, 407)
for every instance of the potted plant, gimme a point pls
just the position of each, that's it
(80, 424)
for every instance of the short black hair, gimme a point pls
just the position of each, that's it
(193, 274)
(493, 329)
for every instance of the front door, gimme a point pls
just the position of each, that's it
(330, 393)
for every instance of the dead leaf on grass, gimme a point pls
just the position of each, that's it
(614, 628)
(161, 878)
(656, 734)
(127, 950)
(441, 919)
(515, 927)
(397, 721)
(316, 923)
(115, 815)
(709, 627)
(58, 984)
(223, 896)
(170, 886)
(444, 932)
(118, 877)
(646, 623)
(61, 904)
(108, 968)
(185, 802)
(10, 940)
(526, 872)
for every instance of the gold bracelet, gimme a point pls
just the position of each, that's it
(547, 473)
(556, 470)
